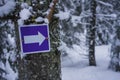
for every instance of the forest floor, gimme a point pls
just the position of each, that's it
(81, 71)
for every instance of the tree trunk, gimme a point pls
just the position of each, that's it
(91, 34)
(42, 66)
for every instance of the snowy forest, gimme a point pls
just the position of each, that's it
(84, 40)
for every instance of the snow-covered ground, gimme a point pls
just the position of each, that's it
(81, 70)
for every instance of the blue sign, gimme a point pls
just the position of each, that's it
(34, 38)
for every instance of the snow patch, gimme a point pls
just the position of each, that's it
(25, 14)
(63, 15)
(100, 72)
(20, 22)
(51, 4)
(24, 5)
(11, 75)
(46, 20)
(39, 19)
(7, 8)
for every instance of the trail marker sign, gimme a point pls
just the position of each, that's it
(34, 38)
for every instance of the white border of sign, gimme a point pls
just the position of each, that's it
(31, 25)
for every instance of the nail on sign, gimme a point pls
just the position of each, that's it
(34, 38)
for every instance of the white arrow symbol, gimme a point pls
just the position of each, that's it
(39, 38)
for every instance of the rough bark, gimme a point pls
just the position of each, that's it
(43, 66)
(91, 34)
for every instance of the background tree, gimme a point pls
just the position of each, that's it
(72, 33)
(108, 28)
(104, 22)
(73, 27)
(115, 38)
(91, 29)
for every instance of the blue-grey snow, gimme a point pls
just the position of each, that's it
(81, 71)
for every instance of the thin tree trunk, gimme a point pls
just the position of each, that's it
(91, 34)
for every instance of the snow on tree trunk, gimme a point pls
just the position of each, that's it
(40, 66)
(91, 29)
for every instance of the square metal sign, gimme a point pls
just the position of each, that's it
(34, 38)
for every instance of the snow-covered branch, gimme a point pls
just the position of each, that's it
(113, 16)
(104, 3)
(7, 8)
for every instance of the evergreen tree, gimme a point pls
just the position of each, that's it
(105, 18)
(78, 11)
(109, 20)
(71, 26)
(115, 38)
(8, 55)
